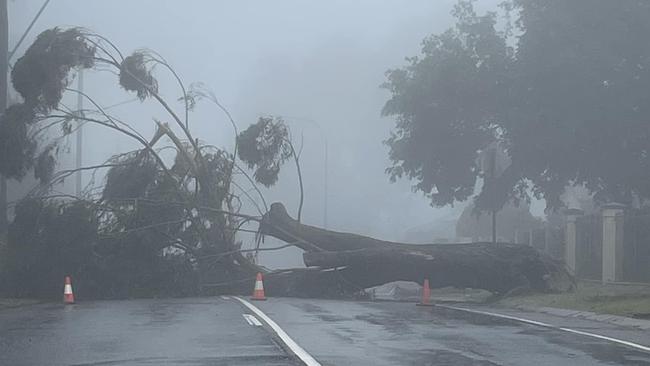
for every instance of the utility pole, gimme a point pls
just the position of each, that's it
(4, 70)
(325, 167)
(79, 146)
(326, 178)
(494, 226)
(492, 166)
(5, 58)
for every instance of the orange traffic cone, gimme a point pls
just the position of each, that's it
(68, 296)
(258, 292)
(426, 294)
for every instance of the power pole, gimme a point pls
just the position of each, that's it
(494, 226)
(5, 57)
(4, 70)
(492, 174)
(326, 193)
(79, 146)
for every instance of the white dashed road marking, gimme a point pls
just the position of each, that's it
(305, 357)
(252, 320)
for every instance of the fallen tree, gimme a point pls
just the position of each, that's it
(166, 216)
(361, 262)
(161, 219)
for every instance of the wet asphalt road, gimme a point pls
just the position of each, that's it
(385, 333)
(189, 332)
(212, 331)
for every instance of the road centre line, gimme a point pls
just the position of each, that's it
(247, 320)
(305, 357)
(546, 325)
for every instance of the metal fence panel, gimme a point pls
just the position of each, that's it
(589, 247)
(636, 246)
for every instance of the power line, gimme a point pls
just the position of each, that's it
(22, 38)
(121, 103)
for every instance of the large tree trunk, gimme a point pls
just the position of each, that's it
(363, 262)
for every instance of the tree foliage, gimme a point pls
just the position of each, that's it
(154, 224)
(512, 221)
(446, 103)
(581, 110)
(264, 146)
(16, 147)
(568, 101)
(130, 176)
(47, 240)
(45, 164)
(136, 76)
(42, 74)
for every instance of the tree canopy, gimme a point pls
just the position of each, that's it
(264, 146)
(563, 86)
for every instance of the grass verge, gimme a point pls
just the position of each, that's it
(618, 299)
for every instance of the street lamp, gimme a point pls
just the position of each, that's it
(326, 162)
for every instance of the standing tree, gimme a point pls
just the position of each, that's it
(568, 102)
(446, 104)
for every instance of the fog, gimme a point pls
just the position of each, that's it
(319, 65)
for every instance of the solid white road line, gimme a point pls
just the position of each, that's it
(224, 297)
(293, 346)
(252, 320)
(540, 324)
(615, 340)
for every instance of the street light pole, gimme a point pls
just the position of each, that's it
(325, 172)
(326, 164)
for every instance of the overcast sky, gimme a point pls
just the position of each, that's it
(318, 64)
